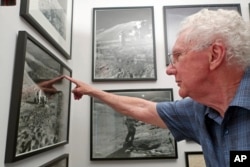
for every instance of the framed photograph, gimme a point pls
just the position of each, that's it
(61, 161)
(123, 44)
(40, 101)
(118, 137)
(195, 159)
(53, 19)
(174, 15)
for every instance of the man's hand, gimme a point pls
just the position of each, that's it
(78, 91)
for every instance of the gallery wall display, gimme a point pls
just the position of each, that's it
(40, 101)
(174, 15)
(195, 159)
(118, 137)
(53, 19)
(61, 161)
(123, 44)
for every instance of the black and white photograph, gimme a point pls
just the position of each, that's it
(123, 44)
(61, 161)
(53, 19)
(174, 15)
(40, 101)
(118, 137)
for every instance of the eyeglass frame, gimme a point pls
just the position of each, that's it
(170, 56)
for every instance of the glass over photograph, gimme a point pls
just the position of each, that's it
(123, 44)
(40, 104)
(118, 137)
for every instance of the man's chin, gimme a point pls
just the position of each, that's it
(183, 93)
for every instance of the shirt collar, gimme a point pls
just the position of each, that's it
(242, 96)
(214, 115)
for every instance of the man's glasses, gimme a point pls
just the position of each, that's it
(173, 58)
(170, 59)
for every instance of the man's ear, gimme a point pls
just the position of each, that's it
(218, 53)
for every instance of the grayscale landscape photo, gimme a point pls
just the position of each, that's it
(43, 117)
(55, 11)
(124, 44)
(115, 136)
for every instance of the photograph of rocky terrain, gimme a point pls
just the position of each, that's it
(124, 44)
(55, 11)
(39, 113)
(115, 136)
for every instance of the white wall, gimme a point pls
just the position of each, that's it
(79, 146)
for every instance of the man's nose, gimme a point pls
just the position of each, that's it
(170, 70)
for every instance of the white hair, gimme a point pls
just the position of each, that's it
(207, 25)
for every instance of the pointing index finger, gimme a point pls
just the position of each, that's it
(71, 79)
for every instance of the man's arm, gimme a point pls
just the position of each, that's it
(137, 108)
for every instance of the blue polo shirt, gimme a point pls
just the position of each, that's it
(217, 136)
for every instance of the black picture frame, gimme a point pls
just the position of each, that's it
(173, 15)
(195, 158)
(111, 139)
(249, 9)
(40, 101)
(7, 2)
(60, 161)
(53, 20)
(123, 46)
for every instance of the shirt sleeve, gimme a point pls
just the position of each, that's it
(181, 118)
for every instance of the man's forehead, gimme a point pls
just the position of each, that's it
(182, 44)
(179, 45)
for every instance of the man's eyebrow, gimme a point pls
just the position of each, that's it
(177, 51)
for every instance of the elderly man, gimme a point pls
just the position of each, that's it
(210, 62)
